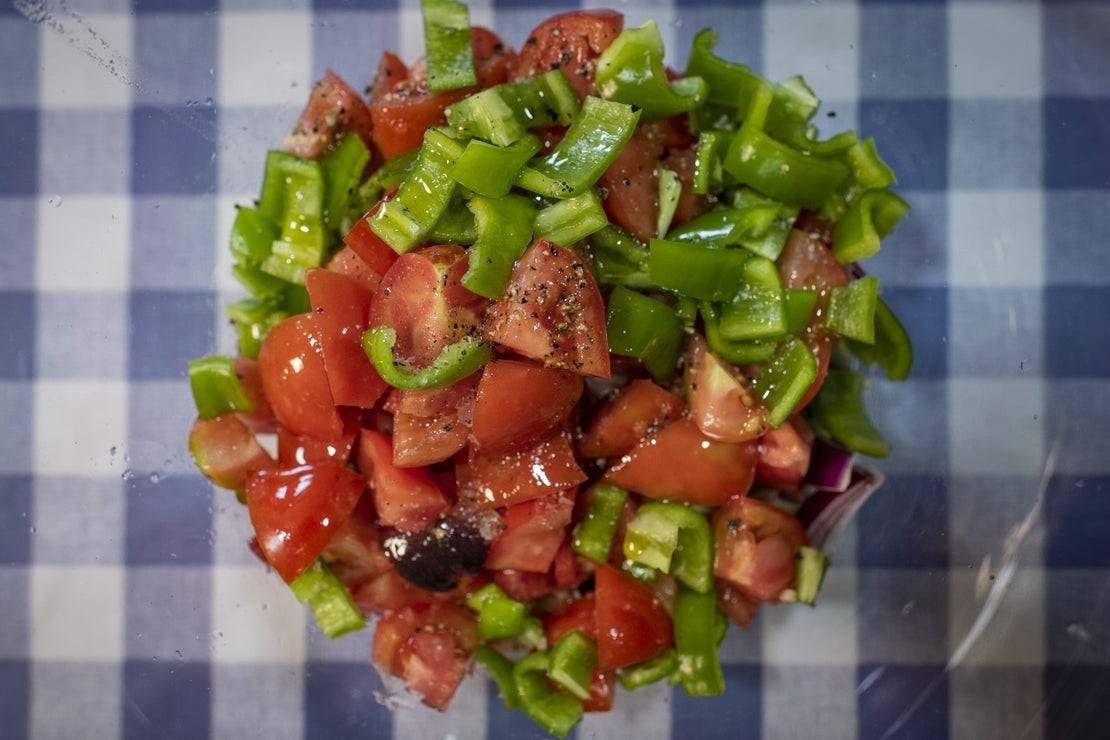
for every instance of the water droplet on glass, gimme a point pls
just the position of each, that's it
(112, 450)
(155, 478)
(34, 529)
(127, 474)
(55, 201)
(208, 102)
(907, 608)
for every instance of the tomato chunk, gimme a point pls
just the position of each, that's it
(784, 455)
(534, 533)
(392, 72)
(681, 464)
(602, 685)
(262, 418)
(490, 481)
(570, 42)
(226, 450)
(295, 379)
(721, 403)
(755, 546)
(736, 606)
(821, 346)
(295, 512)
(806, 262)
(631, 187)
(355, 553)
(370, 247)
(405, 498)
(579, 614)
(332, 108)
(431, 426)
(640, 409)
(347, 262)
(524, 586)
(519, 403)
(298, 449)
(632, 625)
(552, 312)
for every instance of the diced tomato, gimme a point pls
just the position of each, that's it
(565, 569)
(690, 204)
(736, 606)
(493, 58)
(291, 365)
(681, 464)
(295, 512)
(342, 305)
(355, 553)
(640, 409)
(821, 346)
(262, 418)
(721, 404)
(570, 42)
(405, 498)
(431, 667)
(631, 187)
(347, 262)
(553, 312)
(431, 426)
(332, 108)
(493, 481)
(631, 624)
(520, 403)
(673, 132)
(806, 262)
(391, 73)
(226, 450)
(755, 545)
(579, 614)
(524, 586)
(534, 533)
(370, 247)
(419, 298)
(601, 692)
(298, 449)
(812, 224)
(784, 455)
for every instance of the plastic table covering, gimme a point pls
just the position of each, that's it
(129, 604)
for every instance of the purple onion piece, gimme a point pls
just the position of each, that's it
(827, 513)
(830, 467)
(855, 270)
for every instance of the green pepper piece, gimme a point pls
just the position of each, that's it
(572, 663)
(785, 380)
(259, 284)
(758, 227)
(447, 45)
(650, 671)
(810, 565)
(504, 232)
(735, 353)
(491, 170)
(892, 348)
(332, 606)
(646, 329)
(552, 709)
(593, 537)
(670, 190)
(672, 538)
(783, 173)
(455, 226)
(254, 317)
(541, 101)
(708, 173)
(871, 216)
(757, 311)
(697, 271)
(486, 115)
(532, 635)
(851, 310)
(457, 361)
(216, 387)
(568, 221)
(391, 173)
(631, 71)
(252, 236)
(696, 625)
(499, 617)
(501, 671)
(343, 167)
(620, 258)
(799, 306)
(838, 409)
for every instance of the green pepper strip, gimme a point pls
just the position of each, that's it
(216, 387)
(259, 284)
(646, 329)
(455, 362)
(708, 173)
(631, 71)
(892, 348)
(343, 167)
(851, 310)
(799, 306)
(686, 309)
(781, 172)
(568, 221)
(501, 671)
(504, 232)
(697, 271)
(593, 537)
(292, 196)
(254, 317)
(670, 190)
(572, 663)
(405, 221)
(252, 236)
(492, 170)
(810, 565)
(486, 115)
(869, 172)
(455, 226)
(541, 101)
(785, 380)
(447, 45)
(838, 409)
(758, 227)
(620, 258)
(595, 138)
(552, 709)
(674, 539)
(650, 671)
(392, 172)
(532, 635)
(499, 617)
(696, 620)
(758, 310)
(332, 606)
(736, 353)
(870, 217)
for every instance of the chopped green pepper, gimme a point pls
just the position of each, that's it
(620, 258)
(593, 537)
(851, 311)
(697, 271)
(736, 353)
(455, 362)
(892, 348)
(838, 409)
(757, 311)
(455, 226)
(501, 671)
(810, 565)
(486, 115)
(670, 190)
(541, 101)
(254, 317)
(499, 617)
(491, 170)
(259, 284)
(672, 538)
(552, 709)
(870, 217)
(252, 236)
(572, 663)
(696, 622)
(447, 45)
(631, 71)
(785, 380)
(504, 232)
(649, 672)
(332, 606)
(343, 167)
(568, 221)
(646, 329)
(781, 172)
(799, 306)
(708, 173)
(216, 387)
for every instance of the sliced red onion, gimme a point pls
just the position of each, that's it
(855, 270)
(830, 467)
(827, 513)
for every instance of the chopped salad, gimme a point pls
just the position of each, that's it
(561, 350)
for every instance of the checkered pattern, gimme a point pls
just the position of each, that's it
(130, 605)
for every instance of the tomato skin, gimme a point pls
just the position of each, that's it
(631, 624)
(784, 455)
(436, 424)
(806, 262)
(493, 481)
(262, 418)
(533, 535)
(579, 614)
(568, 570)
(405, 498)
(332, 108)
(295, 379)
(391, 73)
(602, 684)
(520, 403)
(755, 545)
(370, 247)
(226, 451)
(571, 42)
(297, 449)
(721, 404)
(552, 312)
(342, 305)
(631, 187)
(821, 346)
(354, 552)
(736, 606)
(295, 512)
(524, 586)
(619, 424)
(347, 262)
(690, 204)
(681, 464)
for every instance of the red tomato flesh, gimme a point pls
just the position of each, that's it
(492, 481)
(520, 403)
(534, 533)
(579, 614)
(332, 108)
(721, 404)
(431, 426)
(784, 455)
(632, 625)
(298, 449)
(690, 204)
(347, 262)
(640, 409)
(262, 418)
(429, 646)
(295, 378)
(370, 247)
(405, 498)
(631, 187)
(570, 42)
(755, 545)
(226, 450)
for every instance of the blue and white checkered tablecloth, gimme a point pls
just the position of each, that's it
(129, 604)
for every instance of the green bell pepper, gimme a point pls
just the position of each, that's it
(457, 361)
(216, 387)
(672, 538)
(645, 329)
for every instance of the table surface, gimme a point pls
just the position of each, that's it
(130, 605)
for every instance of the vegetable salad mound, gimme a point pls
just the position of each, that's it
(561, 349)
